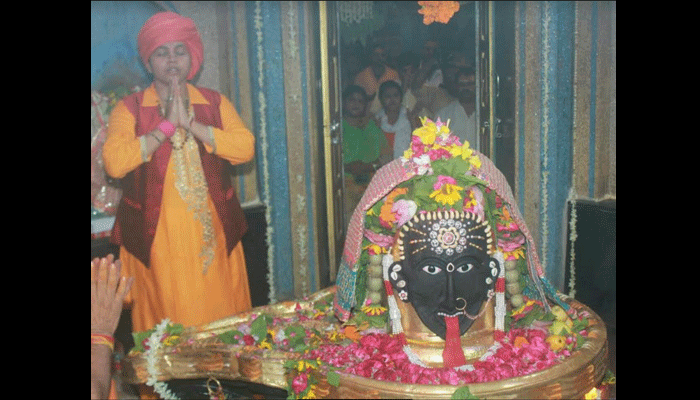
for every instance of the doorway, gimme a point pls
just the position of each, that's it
(483, 30)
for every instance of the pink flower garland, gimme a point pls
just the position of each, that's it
(381, 357)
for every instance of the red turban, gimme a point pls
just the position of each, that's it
(167, 27)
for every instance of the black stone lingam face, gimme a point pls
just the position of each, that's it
(445, 269)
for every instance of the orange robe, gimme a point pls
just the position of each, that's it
(174, 286)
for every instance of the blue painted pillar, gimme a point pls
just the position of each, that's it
(267, 85)
(545, 126)
(557, 133)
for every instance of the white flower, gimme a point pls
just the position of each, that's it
(423, 165)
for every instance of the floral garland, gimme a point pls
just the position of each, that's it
(154, 344)
(437, 11)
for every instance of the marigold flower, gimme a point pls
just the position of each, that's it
(520, 341)
(440, 11)
(386, 215)
(352, 333)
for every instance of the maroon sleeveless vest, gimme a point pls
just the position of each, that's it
(142, 188)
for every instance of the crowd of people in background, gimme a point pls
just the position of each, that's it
(384, 102)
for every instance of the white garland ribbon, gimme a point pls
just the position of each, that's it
(258, 23)
(572, 240)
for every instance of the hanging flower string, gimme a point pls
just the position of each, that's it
(437, 11)
(154, 344)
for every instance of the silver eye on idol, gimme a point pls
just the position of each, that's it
(446, 270)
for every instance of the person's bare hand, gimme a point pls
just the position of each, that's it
(179, 115)
(107, 292)
(171, 113)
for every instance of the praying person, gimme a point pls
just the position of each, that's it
(179, 223)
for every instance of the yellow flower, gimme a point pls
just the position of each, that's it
(471, 202)
(522, 308)
(303, 365)
(375, 249)
(427, 133)
(333, 336)
(171, 340)
(474, 161)
(311, 394)
(265, 344)
(556, 342)
(592, 394)
(447, 194)
(517, 254)
(466, 150)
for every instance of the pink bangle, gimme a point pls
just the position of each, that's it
(166, 127)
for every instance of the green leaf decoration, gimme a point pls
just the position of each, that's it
(333, 378)
(174, 329)
(361, 281)
(378, 321)
(258, 327)
(139, 337)
(463, 393)
(296, 335)
(580, 325)
(229, 337)
(548, 317)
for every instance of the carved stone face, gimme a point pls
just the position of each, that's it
(445, 269)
